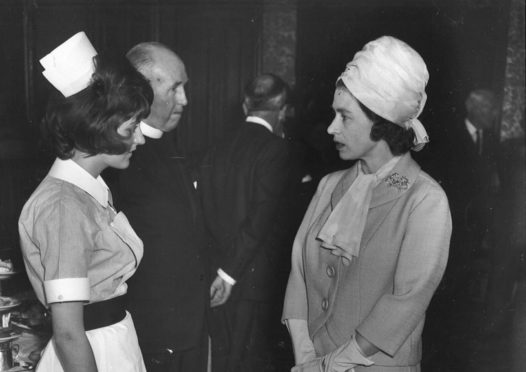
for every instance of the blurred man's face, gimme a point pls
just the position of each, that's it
(167, 78)
(482, 113)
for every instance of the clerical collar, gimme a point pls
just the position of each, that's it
(150, 132)
(258, 120)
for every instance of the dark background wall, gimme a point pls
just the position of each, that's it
(463, 44)
(224, 43)
(219, 42)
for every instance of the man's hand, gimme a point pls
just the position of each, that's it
(219, 292)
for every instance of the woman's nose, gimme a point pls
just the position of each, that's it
(332, 129)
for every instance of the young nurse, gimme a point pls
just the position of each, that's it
(79, 251)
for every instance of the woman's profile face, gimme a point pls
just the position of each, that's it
(131, 131)
(350, 128)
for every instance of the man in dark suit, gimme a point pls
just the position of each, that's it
(242, 181)
(472, 183)
(168, 295)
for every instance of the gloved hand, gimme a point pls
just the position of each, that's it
(343, 359)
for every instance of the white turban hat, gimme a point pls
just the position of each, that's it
(389, 77)
(69, 66)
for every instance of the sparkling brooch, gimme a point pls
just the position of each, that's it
(398, 181)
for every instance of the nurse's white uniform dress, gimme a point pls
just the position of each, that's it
(77, 248)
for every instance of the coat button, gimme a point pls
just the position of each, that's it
(325, 304)
(331, 271)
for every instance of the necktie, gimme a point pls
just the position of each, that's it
(478, 135)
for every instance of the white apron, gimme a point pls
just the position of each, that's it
(115, 348)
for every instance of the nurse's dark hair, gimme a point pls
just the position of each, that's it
(399, 140)
(88, 120)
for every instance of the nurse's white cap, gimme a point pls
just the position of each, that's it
(69, 66)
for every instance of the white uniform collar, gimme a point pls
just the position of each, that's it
(69, 171)
(258, 120)
(150, 132)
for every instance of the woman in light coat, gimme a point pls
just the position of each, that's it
(373, 245)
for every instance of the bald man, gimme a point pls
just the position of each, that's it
(169, 294)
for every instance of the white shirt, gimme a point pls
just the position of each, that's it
(473, 130)
(260, 121)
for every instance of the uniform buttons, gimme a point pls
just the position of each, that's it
(331, 271)
(325, 304)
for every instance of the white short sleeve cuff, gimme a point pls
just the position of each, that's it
(66, 290)
(227, 278)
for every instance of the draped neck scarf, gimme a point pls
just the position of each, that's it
(342, 232)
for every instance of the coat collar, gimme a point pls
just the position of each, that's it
(399, 180)
(396, 184)
(167, 167)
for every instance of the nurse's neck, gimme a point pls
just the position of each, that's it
(91, 164)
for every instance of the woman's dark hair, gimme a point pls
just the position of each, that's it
(88, 120)
(399, 140)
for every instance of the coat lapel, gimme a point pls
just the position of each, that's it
(343, 185)
(171, 170)
(396, 184)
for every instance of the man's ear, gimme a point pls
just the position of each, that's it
(283, 113)
(245, 107)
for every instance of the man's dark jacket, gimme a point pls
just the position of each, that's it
(168, 294)
(241, 183)
(469, 172)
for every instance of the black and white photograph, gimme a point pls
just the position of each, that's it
(262, 186)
